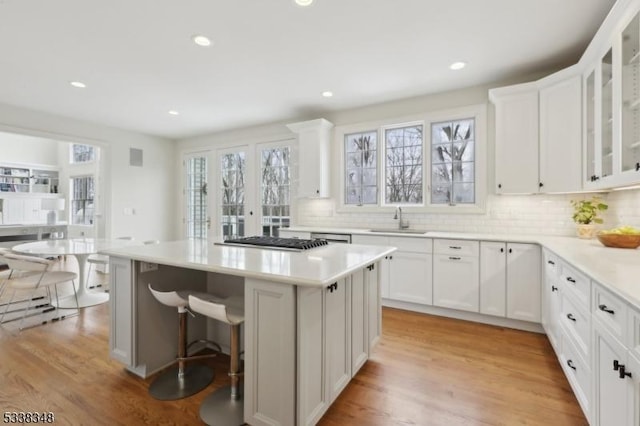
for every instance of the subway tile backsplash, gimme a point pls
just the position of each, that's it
(519, 214)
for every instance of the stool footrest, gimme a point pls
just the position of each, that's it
(196, 357)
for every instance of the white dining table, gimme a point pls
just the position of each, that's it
(81, 248)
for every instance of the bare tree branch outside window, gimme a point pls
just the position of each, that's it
(233, 169)
(361, 168)
(403, 147)
(453, 162)
(275, 189)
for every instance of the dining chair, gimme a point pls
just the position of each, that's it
(101, 259)
(29, 273)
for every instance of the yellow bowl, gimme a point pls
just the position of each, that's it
(619, 240)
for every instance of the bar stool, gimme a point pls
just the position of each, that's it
(225, 405)
(181, 381)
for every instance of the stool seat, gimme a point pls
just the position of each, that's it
(225, 405)
(229, 310)
(184, 380)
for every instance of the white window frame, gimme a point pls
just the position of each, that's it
(71, 159)
(71, 199)
(477, 112)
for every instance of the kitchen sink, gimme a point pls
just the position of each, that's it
(399, 231)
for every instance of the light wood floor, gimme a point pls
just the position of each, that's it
(425, 371)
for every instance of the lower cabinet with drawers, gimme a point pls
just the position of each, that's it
(596, 336)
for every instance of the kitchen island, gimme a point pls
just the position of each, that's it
(311, 318)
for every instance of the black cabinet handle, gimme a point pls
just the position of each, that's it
(317, 191)
(371, 267)
(570, 364)
(510, 250)
(455, 247)
(554, 288)
(540, 185)
(605, 309)
(499, 185)
(622, 373)
(571, 280)
(453, 258)
(551, 262)
(571, 317)
(616, 365)
(332, 287)
(251, 213)
(390, 257)
(637, 167)
(501, 250)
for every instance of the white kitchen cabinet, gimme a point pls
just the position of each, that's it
(560, 100)
(374, 308)
(539, 135)
(123, 300)
(523, 282)
(22, 211)
(551, 298)
(612, 102)
(324, 348)
(510, 280)
(612, 393)
(406, 274)
(456, 274)
(516, 138)
(493, 278)
(314, 138)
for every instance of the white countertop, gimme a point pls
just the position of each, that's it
(618, 270)
(316, 267)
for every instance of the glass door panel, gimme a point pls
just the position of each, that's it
(607, 114)
(590, 126)
(197, 220)
(233, 173)
(275, 182)
(631, 96)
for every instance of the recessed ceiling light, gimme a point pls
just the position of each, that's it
(78, 84)
(174, 112)
(327, 94)
(457, 65)
(201, 40)
(304, 2)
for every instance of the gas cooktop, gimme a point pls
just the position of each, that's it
(277, 243)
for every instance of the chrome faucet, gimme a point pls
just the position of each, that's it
(398, 216)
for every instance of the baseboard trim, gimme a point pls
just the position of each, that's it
(467, 316)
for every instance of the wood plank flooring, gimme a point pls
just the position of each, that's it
(426, 371)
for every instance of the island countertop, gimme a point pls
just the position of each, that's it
(315, 267)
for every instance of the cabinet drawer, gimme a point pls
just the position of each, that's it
(577, 323)
(577, 283)
(551, 264)
(577, 372)
(456, 247)
(415, 245)
(611, 311)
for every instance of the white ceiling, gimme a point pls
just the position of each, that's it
(271, 59)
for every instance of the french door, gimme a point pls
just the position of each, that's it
(238, 191)
(196, 217)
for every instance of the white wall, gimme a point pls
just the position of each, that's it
(147, 190)
(16, 148)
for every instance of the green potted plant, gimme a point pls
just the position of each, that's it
(585, 215)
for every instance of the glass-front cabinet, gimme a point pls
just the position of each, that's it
(612, 112)
(606, 114)
(630, 131)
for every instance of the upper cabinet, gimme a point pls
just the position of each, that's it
(314, 139)
(538, 135)
(516, 160)
(611, 81)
